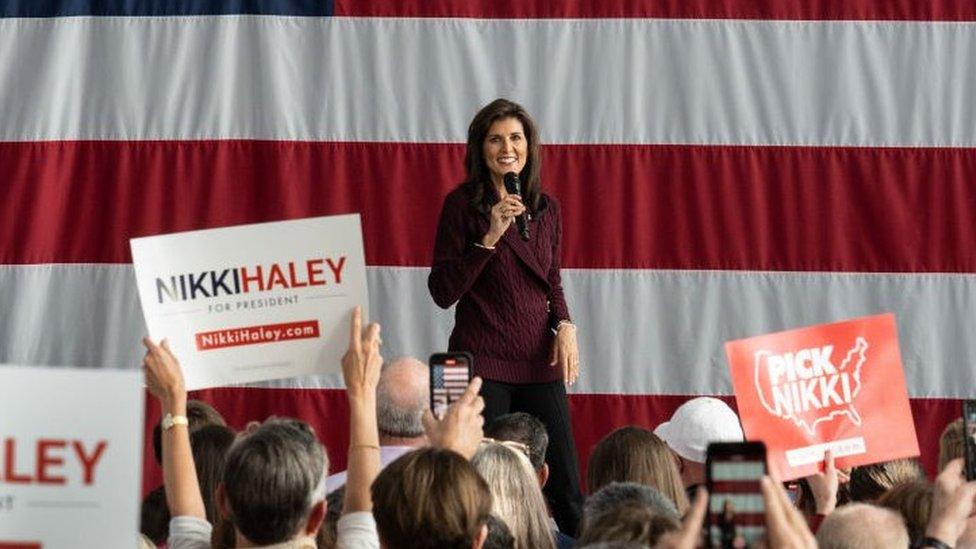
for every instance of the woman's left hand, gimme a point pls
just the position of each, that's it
(565, 352)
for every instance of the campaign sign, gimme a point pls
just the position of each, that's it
(253, 302)
(836, 386)
(70, 457)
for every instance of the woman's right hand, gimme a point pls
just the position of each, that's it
(502, 215)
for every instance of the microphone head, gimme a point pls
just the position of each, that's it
(512, 183)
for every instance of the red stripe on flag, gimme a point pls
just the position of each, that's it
(625, 206)
(910, 10)
(593, 415)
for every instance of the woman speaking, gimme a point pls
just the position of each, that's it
(511, 314)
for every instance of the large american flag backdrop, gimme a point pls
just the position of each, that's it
(725, 168)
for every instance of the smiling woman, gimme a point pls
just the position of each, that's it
(511, 314)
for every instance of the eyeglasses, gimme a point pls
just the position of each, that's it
(513, 444)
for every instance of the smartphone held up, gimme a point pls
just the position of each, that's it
(450, 374)
(969, 436)
(736, 508)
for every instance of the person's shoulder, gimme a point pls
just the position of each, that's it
(548, 205)
(358, 530)
(563, 541)
(187, 532)
(459, 197)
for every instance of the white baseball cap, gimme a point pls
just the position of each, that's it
(698, 422)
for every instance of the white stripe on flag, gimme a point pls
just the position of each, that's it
(420, 80)
(641, 331)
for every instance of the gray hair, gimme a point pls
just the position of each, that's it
(862, 526)
(272, 478)
(401, 398)
(619, 494)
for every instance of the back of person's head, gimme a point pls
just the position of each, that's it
(154, 516)
(199, 414)
(209, 440)
(499, 536)
(951, 443)
(869, 482)
(613, 545)
(273, 479)
(630, 522)
(329, 531)
(621, 494)
(515, 493)
(401, 398)
(913, 500)
(862, 526)
(633, 454)
(697, 423)
(210, 445)
(524, 428)
(430, 498)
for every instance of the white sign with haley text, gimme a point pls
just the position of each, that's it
(70, 457)
(253, 302)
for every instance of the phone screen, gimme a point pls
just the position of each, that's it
(450, 374)
(969, 430)
(735, 506)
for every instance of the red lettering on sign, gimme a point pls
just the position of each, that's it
(315, 272)
(88, 461)
(337, 268)
(9, 464)
(45, 461)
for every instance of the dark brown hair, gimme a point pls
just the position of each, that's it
(524, 428)
(430, 498)
(210, 445)
(478, 175)
(634, 454)
(198, 413)
(210, 440)
(154, 516)
(869, 482)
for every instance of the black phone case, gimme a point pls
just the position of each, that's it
(752, 451)
(969, 437)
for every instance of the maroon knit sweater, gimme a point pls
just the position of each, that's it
(508, 300)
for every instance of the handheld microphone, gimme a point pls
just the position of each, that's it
(514, 186)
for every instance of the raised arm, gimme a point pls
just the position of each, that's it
(164, 379)
(361, 371)
(954, 501)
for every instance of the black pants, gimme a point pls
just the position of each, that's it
(546, 401)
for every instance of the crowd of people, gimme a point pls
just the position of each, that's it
(417, 481)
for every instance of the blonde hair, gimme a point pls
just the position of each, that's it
(516, 496)
(951, 443)
(634, 454)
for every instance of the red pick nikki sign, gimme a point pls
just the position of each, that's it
(836, 386)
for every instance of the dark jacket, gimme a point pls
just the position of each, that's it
(508, 300)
